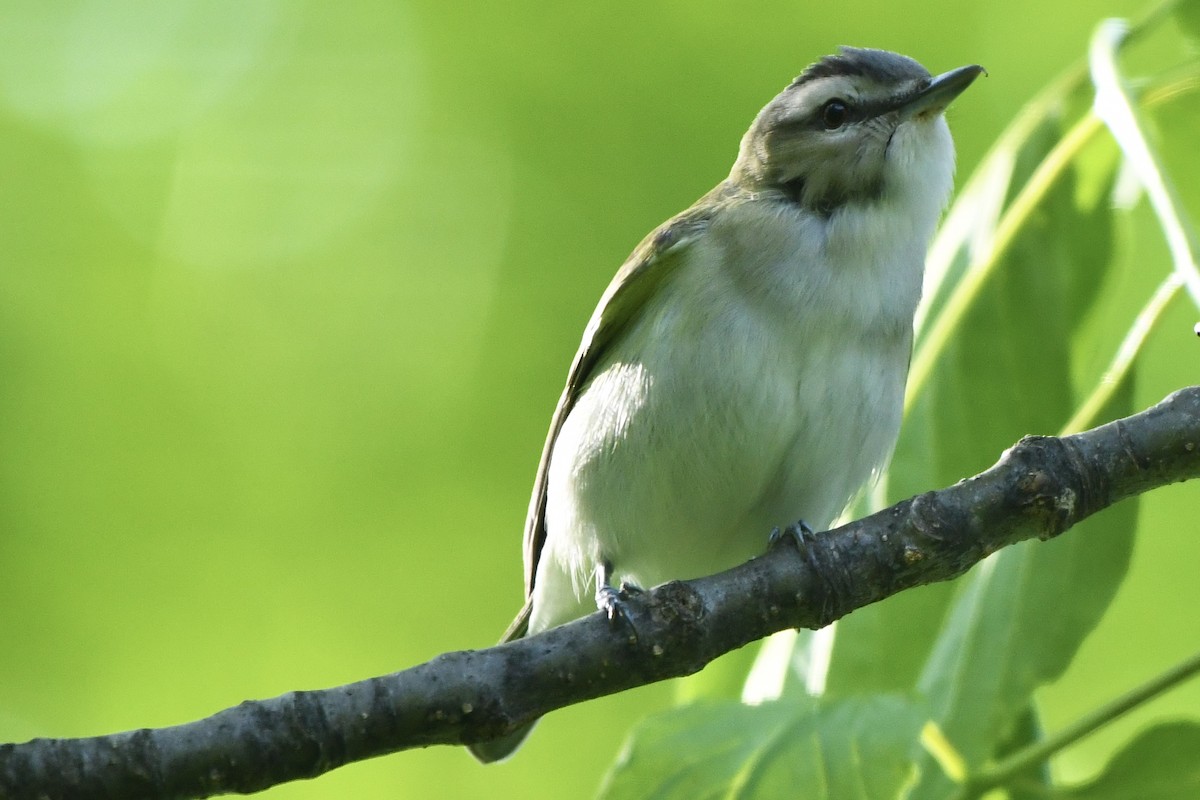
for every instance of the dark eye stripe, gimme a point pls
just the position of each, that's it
(850, 112)
(857, 110)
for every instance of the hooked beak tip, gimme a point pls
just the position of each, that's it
(942, 90)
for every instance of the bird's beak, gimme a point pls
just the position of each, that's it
(934, 98)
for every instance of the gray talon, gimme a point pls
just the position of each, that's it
(798, 534)
(612, 600)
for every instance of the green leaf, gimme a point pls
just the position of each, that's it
(1174, 111)
(1162, 763)
(840, 750)
(1187, 14)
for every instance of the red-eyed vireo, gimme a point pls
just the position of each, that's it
(745, 368)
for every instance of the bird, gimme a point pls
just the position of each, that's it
(745, 369)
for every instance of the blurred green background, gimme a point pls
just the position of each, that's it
(287, 294)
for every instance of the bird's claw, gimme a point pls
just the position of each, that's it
(798, 535)
(611, 600)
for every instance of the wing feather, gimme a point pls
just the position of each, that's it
(650, 264)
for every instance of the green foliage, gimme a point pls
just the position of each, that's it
(852, 749)
(1160, 764)
(1032, 274)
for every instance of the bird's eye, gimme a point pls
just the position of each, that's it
(834, 114)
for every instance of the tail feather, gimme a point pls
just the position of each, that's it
(499, 749)
(504, 746)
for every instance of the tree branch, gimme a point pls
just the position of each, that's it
(1039, 488)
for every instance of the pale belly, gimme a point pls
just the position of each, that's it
(676, 462)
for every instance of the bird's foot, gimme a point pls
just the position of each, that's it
(612, 600)
(798, 535)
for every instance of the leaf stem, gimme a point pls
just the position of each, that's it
(1022, 760)
(1089, 411)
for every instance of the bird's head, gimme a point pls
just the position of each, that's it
(855, 127)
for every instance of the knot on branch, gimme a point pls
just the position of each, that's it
(677, 604)
(1050, 483)
(675, 615)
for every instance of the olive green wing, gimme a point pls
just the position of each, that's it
(646, 269)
